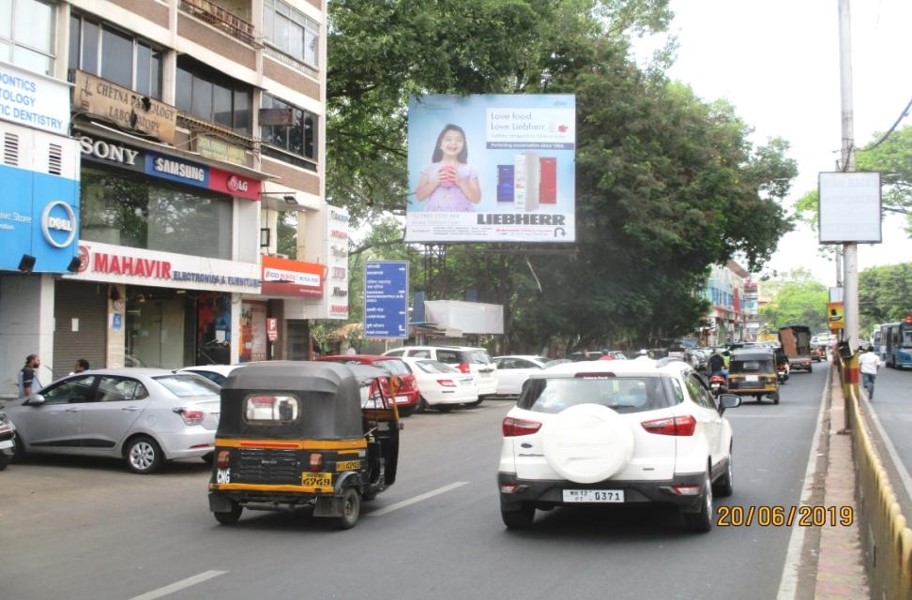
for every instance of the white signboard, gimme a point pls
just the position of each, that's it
(849, 208)
(133, 266)
(34, 100)
(334, 254)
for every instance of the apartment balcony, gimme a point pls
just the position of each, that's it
(215, 14)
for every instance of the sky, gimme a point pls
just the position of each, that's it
(777, 62)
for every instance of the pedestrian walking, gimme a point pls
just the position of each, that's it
(28, 376)
(868, 364)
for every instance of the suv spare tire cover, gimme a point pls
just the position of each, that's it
(587, 443)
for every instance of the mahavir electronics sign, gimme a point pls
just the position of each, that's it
(492, 168)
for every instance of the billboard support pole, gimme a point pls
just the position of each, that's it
(850, 249)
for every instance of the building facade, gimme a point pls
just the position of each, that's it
(195, 128)
(729, 318)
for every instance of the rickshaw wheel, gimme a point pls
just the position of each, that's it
(351, 508)
(231, 517)
(776, 398)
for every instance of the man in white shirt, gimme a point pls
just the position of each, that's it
(868, 364)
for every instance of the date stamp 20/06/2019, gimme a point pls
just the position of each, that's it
(785, 516)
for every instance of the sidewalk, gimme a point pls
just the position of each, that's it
(840, 565)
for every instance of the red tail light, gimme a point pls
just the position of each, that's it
(446, 382)
(685, 425)
(316, 462)
(517, 427)
(464, 368)
(191, 417)
(222, 459)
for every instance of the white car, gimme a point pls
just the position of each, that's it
(514, 370)
(467, 359)
(217, 374)
(441, 386)
(619, 432)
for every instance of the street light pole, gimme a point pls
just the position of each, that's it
(850, 249)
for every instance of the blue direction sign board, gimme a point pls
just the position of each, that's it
(386, 299)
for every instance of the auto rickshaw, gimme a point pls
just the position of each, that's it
(752, 372)
(296, 435)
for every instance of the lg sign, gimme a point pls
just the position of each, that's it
(236, 184)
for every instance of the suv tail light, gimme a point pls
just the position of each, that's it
(685, 425)
(464, 367)
(191, 417)
(516, 427)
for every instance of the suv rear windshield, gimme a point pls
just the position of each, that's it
(623, 394)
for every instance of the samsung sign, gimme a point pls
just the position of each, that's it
(175, 169)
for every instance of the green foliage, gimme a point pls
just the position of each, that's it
(798, 301)
(893, 159)
(884, 294)
(666, 183)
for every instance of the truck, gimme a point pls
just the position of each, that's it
(796, 343)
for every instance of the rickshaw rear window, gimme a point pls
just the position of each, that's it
(269, 409)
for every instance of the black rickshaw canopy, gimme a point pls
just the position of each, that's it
(328, 396)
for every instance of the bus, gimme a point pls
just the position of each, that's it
(896, 340)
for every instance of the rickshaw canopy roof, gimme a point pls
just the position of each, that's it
(328, 394)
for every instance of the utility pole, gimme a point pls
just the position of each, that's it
(850, 249)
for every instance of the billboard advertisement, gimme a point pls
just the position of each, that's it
(492, 168)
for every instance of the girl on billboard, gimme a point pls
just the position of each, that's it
(449, 184)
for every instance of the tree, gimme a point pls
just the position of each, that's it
(884, 294)
(796, 301)
(893, 160)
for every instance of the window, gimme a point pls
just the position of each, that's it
(188, 386)
(119, 389)
(138, 212)
(291, 31)
(299, 138)
(624, 394)
(270, 409)
(698, 392)
(26, 34)
(71, 391)
(115, 55)
(212, 96)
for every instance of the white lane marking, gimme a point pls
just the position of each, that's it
(788, 583)
(179, 585)
(419, 498)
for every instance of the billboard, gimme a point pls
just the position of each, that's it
(849, 208)
(386, 299)
(492, 168)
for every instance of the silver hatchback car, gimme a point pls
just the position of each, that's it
(145, 416)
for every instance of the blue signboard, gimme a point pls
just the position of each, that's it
(386, 299)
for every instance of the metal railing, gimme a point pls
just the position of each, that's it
(222, 18)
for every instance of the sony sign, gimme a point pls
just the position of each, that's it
(106, 151)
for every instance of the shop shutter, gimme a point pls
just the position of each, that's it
(88, 303)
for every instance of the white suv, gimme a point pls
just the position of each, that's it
(465, 358)
(616, 432)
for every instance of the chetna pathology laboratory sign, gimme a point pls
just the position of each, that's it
(34, 100)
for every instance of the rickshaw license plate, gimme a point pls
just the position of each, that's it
(593, 495)
(751, 378)
(316, 479)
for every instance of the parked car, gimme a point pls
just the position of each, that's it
(467, 359)
(514, 370)
(612, 355)
(217, 374)
(407, 396)
(441, 386)
(145, 416)
(618, 432)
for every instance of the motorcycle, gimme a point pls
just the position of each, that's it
(782, 372)
(717, 385)
(7, 433)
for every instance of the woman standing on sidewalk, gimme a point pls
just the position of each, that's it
(868, 364)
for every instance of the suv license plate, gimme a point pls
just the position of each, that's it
(593, 495)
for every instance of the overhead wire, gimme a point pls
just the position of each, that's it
(884, 137)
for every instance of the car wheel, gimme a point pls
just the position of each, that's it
(587, 443)
(18, 448)
(407, 411)
(810, 368)
(351, 508)
(775, 398)
(422, 405)
(232, 516)
(444, 408)
(520, 518)
(144, 455)
(725, 486)
(702, 521)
